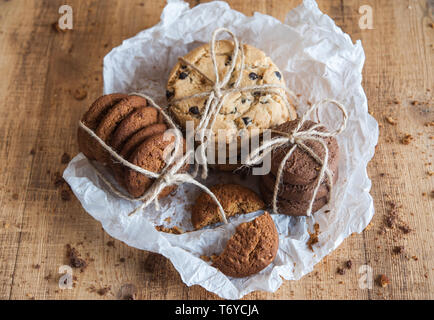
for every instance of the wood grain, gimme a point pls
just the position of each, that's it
(40, 70)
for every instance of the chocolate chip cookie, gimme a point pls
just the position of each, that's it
(252, 248)
(235, 199)
(244, 111)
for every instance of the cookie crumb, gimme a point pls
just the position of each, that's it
(65, 195)
(79, 94)
(103, 291)
(406, 139)
(349, 264)
(313, 237)
(340, 271)
(65, 158)
(398, 249)
(74, 258)
(173, 230)
(391, 121)
(383, 281)
(205, 258)
(55, 26)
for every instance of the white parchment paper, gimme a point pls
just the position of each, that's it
(318, 61)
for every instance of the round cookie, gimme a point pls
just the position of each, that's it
(292, 207)
(131, 144)
(296, 192)
(111, 120)
(301, 168)
(92, 118)
(252, 248)
(135, 121)
(240, 111)
(235, 199)
(150, 156)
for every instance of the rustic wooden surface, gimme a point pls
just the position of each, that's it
(38, 117)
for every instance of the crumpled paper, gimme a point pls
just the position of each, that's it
(318, 61)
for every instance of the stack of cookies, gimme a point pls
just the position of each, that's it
(242, 113)
(134, 130)
(300, 173)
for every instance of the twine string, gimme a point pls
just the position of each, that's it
(296, 139)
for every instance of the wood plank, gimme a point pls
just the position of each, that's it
(42, 66)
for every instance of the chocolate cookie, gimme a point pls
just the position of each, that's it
(135, 121)
(252, 248)
(150, 155)
(292, 207)
(92, 118)
(301, 168)
(131, 144)
(296, 192)
(235, 199)
(111, 120)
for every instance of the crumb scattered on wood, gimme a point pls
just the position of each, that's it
(406, 139)
(79, 94)
(74, 258)
(383, 281)
(391, 121)
(65, 158)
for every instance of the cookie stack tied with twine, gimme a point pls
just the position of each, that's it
(231, 89)
(128, 134)
(304, 164)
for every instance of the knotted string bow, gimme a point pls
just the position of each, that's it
(218, 93)
(167, 177)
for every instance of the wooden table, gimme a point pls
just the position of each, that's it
(42, 68)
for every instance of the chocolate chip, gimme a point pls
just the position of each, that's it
(183, 75)
(243, 100)
(257, 93)
(183, 67)
(228, 61)
(194, 110)
(169, 94)
(253, 76)
(247, 120)
(278, 75)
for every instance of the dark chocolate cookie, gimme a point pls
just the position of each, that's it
(292, 207)
(301, 168)
(296, 192)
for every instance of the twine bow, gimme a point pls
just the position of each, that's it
(219, 92)
(167, 177)
(297, 139)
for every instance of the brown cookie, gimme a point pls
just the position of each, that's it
(150, 155)
(235, 199)
(92, 118)
(111, 120)
(131, 144)
(301, 168)
(252, 248)
(291, 207)
(296, 192)
(135, 121)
